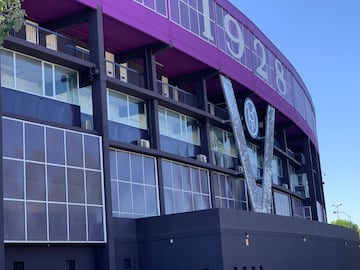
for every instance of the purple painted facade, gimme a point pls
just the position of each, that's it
(294, 101)
(202, 34)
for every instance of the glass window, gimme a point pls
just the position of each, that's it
(28, 74)
(158, 6)
(229, 192)
(85, 100)
(49, 195)
(49, 80)
(66, 85)
(277, 171)
(34, 142)
(13, 179)
(35, 181)
(95, 223)
(92, 149)
(74, 146)
(36, 221)
(256, 159)
(57, 222)
(55, 146)
(42, 78)
(134, 187)
(190, 188)
(195, 17)
(179, 126)
(223, 147)
(126, 110)
(75, 179)
(282, 204)
(56, 183)
(7, 69)
(12, 132)
(77, 223)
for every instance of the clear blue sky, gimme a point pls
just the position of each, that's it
(322, 40)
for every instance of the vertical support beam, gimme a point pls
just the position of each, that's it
(268, 157)
(150, 69)
(201, 95)
(106, 254)
(2, 245)
(285, 162)
(310, 178)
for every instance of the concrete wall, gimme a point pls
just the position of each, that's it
(216, 239)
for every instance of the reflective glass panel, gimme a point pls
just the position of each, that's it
(36, 221)
(28, 74)
(35, 181)
(7, 69)
(57, 222)
(12, 132)
(34, 142)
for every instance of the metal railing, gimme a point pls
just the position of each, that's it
(176, 93)
(123, 73)
(218, 111)
(50, 39)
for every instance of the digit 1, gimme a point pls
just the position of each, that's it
(207, 23)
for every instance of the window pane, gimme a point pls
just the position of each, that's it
(74, 150)
(167, 175)
(36, 221)
(7, 69)
(55, 146)
(137, 117)
(139, 199)
(93, 187)
(76, 185)
(49, 80)
(113, 165)
(125, 199)
(77, 223)
(57, 222)
(28, 74)
(95, 224)
(195, 181)
(92, 152)
(177, 176)
(169, 201)
(149, 169)
(12, 138)
(13, 179)
(34, 142)
(186, 178)
(35, 181)
(14, 220)
(117, 109)
(151, 201)
(66, 86)
(136, 169)
(115, 196)
(85, 100)
(123, 166)
(56, 183)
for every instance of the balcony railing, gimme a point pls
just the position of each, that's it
(176, 93)
(124, 73)
(49, 39)
(218, 111)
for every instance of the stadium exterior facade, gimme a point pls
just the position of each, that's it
(158, 134)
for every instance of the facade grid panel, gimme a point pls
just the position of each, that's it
(41, 192)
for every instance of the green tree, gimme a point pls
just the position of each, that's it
(346, 224)
(12, 16)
